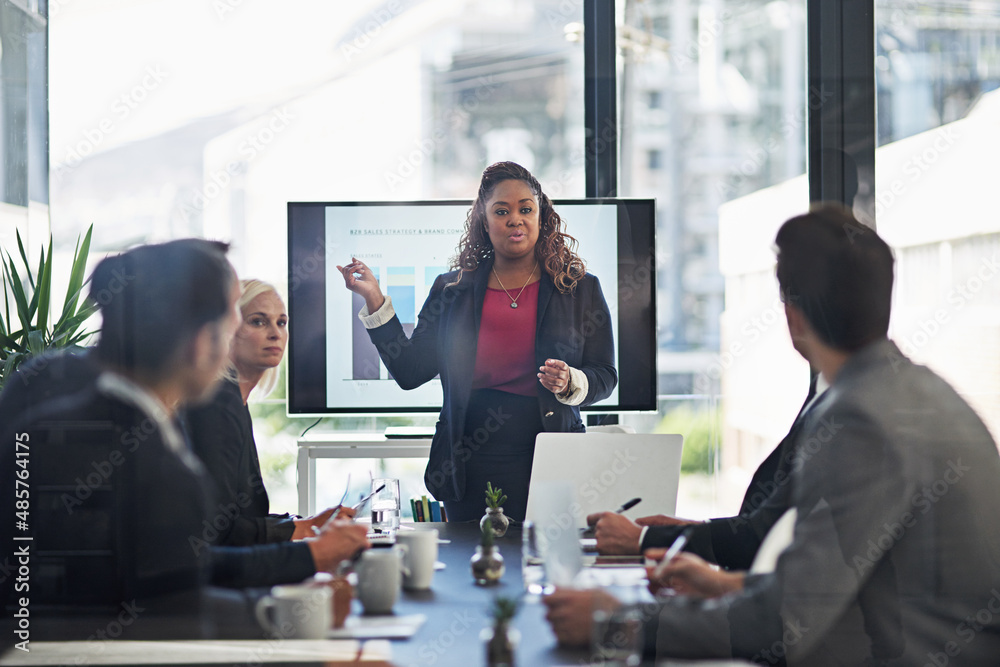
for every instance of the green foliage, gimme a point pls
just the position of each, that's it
(494, 497)
(488, 538)
(273, 465)
(504, 609)
(32, 333)
(700, 429)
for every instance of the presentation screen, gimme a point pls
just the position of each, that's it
(333, 367)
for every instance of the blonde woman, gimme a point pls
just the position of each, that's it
(221, 432)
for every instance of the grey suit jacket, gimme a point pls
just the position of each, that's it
(896, 554)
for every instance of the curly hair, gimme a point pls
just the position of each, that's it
(555, 249)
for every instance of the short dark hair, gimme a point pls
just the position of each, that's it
(155, 298)
(838, 273)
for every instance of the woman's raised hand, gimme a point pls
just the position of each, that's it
(359, 279)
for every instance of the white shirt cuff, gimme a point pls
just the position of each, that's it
(642, 536)
(579, 386)
(379, 317)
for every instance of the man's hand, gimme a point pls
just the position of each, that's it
(616, 534)
(688, 574)
(570, 613)
(338, 540)
(305, 527)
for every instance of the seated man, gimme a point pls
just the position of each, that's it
(732, 542)
(893, 560)
(116, 505)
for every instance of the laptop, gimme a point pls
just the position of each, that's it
(606, 470)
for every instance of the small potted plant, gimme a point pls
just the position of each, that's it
(501, 639)
(487, 563)
(494, 516)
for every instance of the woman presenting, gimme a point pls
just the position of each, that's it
(519, 333)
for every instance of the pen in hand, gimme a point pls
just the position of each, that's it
(355, 507)
(628, 505)
(588, 532)
(364, 500)
(674, 549)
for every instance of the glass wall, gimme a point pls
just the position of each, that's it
(24, 185)
(713, 125)
(174, 118)
(938, 86)
(222, 112)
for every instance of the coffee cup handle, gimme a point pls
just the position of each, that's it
(403, 550)
(261, 609)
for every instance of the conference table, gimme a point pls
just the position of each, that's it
(456, 611)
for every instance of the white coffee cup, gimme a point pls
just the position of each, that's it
(299, 612)
(420, 551)
(380, 575)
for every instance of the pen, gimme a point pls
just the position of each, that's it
(589, 530)
(628, 505)
(364, 500)
(356, 507)
(674, 549)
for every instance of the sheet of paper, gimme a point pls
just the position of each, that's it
(188, 652)
(378, 627)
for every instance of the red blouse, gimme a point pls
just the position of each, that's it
(505, 354)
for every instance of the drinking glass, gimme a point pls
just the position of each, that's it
(385, 504)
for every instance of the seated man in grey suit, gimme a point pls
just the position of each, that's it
(895, 558)
(731, 542)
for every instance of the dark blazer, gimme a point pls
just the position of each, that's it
(221, 435)
(575, 328)
(895, 558)
(732, 542)
(121, 515)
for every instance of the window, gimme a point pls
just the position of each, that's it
(938, 86)
(200, 131)
(173, 118)
(728, 80)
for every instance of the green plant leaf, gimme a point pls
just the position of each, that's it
(20, 300)
(11, 363)
(36, 342)
(68, 326)
(3, 320)
(24, 258)
(8, 343)
(43, 292)
(68, 335)
(76, 275)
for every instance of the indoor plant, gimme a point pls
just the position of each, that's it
(494, 516)
(501, 639)
(487, 563)
(33, 333)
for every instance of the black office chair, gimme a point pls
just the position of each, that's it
(80, 517)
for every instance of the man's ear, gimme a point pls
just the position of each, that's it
(203, 349)
(798, 326)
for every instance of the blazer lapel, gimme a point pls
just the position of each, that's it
(545, 290)
(480, 279)
(461, 343)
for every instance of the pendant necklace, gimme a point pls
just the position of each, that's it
(513, 299)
